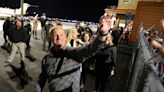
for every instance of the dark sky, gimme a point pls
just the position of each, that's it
(88, 10)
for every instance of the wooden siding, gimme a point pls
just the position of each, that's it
(149, 13)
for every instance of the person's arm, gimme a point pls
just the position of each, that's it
(42, 78)
(80, 42)
(30, 29)
(114, 60)
(80, 53)
(11, 29)
(25, 35)
(114, 54)
(83, 52)
(4, 26)
(157, 45)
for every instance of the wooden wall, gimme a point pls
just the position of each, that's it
(149, 13)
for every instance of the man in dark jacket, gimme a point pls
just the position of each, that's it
(6, 29)
(28, 48)
(28, 31)
(18, 38)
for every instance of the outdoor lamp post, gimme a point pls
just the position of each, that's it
(22, 2)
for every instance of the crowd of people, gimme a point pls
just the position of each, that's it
(155, 39)
(65, 77)
(68, 53)
(64, 70)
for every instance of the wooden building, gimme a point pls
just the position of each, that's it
(148, 12)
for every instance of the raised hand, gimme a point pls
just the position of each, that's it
(158, 46)
(105, 23)
(162, 24)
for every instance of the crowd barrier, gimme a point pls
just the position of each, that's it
(144, 75)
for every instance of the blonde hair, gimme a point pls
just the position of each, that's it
(109, 40)
(69, 35)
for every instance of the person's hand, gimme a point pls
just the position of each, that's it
(158, 46)
(162, 23)
(105, 23)
(30, 33)
(112, 72)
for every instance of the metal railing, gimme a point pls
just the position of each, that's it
(144, 75)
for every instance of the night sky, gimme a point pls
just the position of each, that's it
(87, 10)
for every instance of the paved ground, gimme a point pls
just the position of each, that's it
(10, 82)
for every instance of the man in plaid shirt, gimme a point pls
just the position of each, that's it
(61, 66)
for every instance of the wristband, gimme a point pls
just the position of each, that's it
(103, 34)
